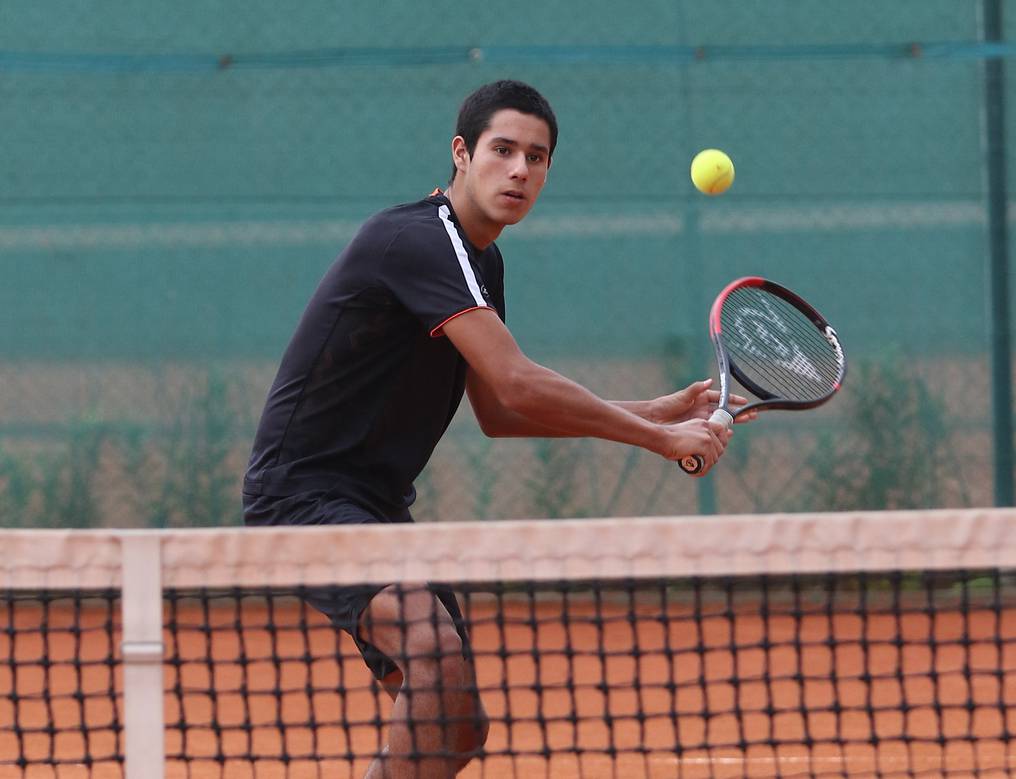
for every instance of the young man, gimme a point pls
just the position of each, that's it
(409, 317)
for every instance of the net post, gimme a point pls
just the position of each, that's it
(142, 653)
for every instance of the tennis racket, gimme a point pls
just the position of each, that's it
(776, 346)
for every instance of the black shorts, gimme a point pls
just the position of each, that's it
(343, 605)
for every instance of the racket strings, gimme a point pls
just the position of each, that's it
(777, 347)
(801, 368)
(786, 385)
(801, 377)
(805, 343)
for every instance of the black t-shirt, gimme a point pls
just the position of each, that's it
(369, 382)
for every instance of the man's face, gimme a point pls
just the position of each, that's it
(508, 167)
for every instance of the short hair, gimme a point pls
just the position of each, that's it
(479, 107)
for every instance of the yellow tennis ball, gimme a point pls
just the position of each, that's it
(712, 172)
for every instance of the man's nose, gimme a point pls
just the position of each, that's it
(519, 168)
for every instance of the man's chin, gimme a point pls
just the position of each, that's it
(512, 216)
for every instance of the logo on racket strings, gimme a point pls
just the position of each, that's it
(751, 323)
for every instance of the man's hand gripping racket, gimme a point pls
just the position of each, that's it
(776, 346)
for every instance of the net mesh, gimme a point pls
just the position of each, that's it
(677, 662)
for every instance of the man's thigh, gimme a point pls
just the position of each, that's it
(343, 605)
(403, 619)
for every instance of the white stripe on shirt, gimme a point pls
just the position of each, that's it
(463, 257)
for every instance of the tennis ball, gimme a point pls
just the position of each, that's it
(712, 172)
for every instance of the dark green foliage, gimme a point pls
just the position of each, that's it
(100, 473)
(891, 451)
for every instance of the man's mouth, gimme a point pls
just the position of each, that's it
(514, 194)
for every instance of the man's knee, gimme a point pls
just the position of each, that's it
(415, 631)
(472, 734)
(407, 622)
(441, 665)
(435, 645)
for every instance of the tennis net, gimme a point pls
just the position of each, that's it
(877, 644)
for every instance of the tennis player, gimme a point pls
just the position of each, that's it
(411, 315)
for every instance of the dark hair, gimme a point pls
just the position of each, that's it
(478, 108)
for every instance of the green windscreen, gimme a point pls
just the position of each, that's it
(176, 180)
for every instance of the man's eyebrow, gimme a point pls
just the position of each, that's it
(510, 142)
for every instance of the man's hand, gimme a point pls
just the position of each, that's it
(696, 401)
(695, 436)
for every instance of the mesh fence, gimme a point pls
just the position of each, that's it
(179, 179)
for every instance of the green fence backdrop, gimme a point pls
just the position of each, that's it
(176, 177)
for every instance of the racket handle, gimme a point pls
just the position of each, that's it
(722, 416)
(693, 463)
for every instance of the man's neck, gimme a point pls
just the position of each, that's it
(480, 231)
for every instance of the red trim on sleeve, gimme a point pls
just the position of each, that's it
(437, 332)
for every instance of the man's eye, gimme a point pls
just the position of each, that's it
(535, 157)
(501, 149)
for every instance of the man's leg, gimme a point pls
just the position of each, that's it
(438, 721)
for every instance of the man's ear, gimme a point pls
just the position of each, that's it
(460, 153)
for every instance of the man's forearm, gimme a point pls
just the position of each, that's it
(560, 407)
(641, 408)
(513, 425)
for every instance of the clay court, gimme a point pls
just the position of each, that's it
(625, 693)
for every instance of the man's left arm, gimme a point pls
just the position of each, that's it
(696, 401)
(496, 421)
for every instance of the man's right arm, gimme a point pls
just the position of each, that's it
(525, 390)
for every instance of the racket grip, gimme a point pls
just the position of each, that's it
(722, 416)
(693, 463)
